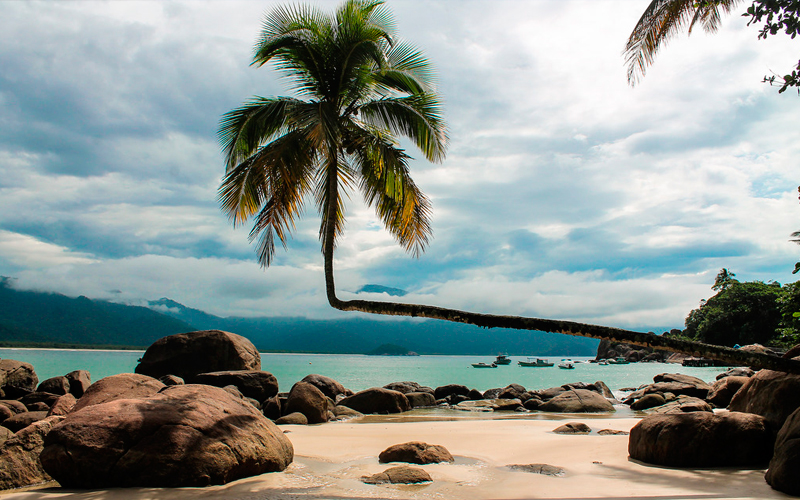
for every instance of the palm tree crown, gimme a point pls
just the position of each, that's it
(661, 21)
(357, 88)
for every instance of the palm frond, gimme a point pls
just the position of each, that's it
(417, 117)
(661, 21)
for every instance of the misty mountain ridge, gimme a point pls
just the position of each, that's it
(51, 319)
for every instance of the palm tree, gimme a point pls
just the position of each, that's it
(664, 19)
(362, 88)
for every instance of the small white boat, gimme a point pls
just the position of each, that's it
(537, 363)
(483, 365)
(567, 365)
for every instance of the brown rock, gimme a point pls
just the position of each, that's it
(171, 380)
(782, 473)
(189, 354)
(327, 385)
(16, 379)
(5, 412)
(55, 385)
(4, 435)
(186, 435)
(63, 405)
(122, 386)
(702, 439)
(19, 421)
(573, 428)
(295, 418)
(255, 384)
(491, 404)
(444, 391)
(648, 401)
(683, 404)
(511, 391)
(420, 399)
(308, 400)
(271, 408)
(37, 401)
(401, 474)
(612, 432)
(723, 390)
(407, 387)
(20, 465)
(739, 371)
(578, 401)
(343, 413)
(771, 394)
(14, 405)
(415, 452)
(79, 381)
(377, 400)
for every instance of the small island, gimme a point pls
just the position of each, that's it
(391, 350)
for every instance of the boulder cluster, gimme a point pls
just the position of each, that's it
(199, 410)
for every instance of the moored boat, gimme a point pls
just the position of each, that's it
(536, 363)
(618, 361)
(502, 359)
(483, 365)
(566, 365)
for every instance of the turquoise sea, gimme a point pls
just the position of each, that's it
(358, 372)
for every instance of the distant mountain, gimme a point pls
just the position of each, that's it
(46, 318)
(29, 318)
(395, 292)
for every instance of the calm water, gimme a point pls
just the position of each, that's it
(358, 372)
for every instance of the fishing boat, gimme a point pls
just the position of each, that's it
(502, 359)
(543, 363)
(483, 365)
(603, 363)
(566, 365)
(618, 361)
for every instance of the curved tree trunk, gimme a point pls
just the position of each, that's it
(725, 354)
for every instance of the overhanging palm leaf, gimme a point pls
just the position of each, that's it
(663, 20)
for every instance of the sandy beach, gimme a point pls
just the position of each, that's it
(331, 458)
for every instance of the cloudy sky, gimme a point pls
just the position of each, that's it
(565, 193)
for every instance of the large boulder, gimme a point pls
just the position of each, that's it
(420, 399)
(724, 389)
(683, 404)
(771, 394)
(377, 400)
(20, 464)
(407, 387)
(121, 386)
(445, 391)
(327, 385)
(187, 435)
(307, 399)
(782, 474)
(55, 385)
(63, 405)
(17, 378)
(189, 354)
(256, 384)
(702, 439)
(17, 422)
(577, 401)
(79, 381)
(402, 474)
(415, 452)
(490, 404)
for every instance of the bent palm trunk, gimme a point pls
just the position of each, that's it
(720, 353)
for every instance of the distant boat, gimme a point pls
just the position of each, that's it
(502, 359)
(603, 363)
(567, 365)
(483, 365)
(618, 361)
(537, 363)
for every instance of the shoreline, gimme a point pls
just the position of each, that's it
(331, 458)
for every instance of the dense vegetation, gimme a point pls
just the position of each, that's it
(746, 313)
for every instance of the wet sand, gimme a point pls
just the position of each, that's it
(331, 458)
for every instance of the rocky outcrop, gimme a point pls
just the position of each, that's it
(55, 385)
(407, 387)
(648, 401)
(738, 371)
(307, 399)
(17, 422)
(611, 350)
(445, 391)
(782, 473)
(377, 400)
(573, 428)
(415, 452)
(189, 354)
(420, 399)
(122, 386)
(724, 389)
(402, 474)
(16, 379)
(79, 381)
(187, 435)
(255, 384)
(490, 404)
(511, 391)
(327, 385)
(683, 404)
(63, 405)
(294, 418)
(702, 439)
(771, 394)
(20, 464)
(577, 401)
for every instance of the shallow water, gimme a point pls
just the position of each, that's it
(358, 372)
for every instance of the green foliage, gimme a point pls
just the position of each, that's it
(747, 313)
(778, 15)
